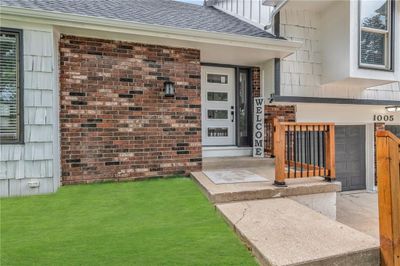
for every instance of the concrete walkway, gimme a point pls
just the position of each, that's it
(283, 232)
(284, 226)
(359, 210)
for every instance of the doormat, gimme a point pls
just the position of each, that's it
(233, 176)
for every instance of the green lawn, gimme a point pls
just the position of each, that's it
(157, 222)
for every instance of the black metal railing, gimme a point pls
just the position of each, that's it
(304, 150)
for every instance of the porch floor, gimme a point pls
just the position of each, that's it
(265, 167)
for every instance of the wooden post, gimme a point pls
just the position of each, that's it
(279, 152)
(388, 171)
(330, 153)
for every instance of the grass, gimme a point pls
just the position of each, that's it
(157, 222)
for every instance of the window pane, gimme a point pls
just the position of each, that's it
(217, 114)
(372, 48)
(243, 124)
(216, 78)
(374, 14)
(8, 86)
(217, 96)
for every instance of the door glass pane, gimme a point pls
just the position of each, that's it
(217, 114)
(374, 14)
(217, 78)
(243, 123)
(218, 132)
(372, 48)
(217, 96)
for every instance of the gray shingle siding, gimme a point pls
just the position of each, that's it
(157, 12)
(35, 159)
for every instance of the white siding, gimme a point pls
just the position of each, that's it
(335, 41)
(301, 72)
(18, 187)
(33, 160)
(357, 72)
(252, 11)
(3, 185)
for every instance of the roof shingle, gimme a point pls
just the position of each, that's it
(157, 12)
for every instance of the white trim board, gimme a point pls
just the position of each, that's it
(370, 156)
(227, 151)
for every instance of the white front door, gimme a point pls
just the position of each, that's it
(218, 106)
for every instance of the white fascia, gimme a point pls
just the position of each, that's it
(121, 26)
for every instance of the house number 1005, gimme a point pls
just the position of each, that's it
(383, 118)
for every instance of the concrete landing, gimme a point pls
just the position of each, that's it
(223, 193)
(264, 167)
(359, 210)
(284, 232)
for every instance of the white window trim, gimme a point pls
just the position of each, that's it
(388, 40)
(20, 84)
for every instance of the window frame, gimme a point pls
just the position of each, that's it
(20, 86)
(389, 39)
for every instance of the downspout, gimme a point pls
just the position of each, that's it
(275, 11)
(277, 5)
(210, 2)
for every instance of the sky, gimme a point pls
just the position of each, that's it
(198, 2)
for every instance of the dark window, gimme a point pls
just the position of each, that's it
(216, 78)
(217, 96)
(10, 86)
(243, 101)
(217, 114)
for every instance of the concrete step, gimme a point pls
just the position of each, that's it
(223, 193)
(235, 162)
(284, 232)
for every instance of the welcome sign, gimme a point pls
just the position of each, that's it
(258, 135)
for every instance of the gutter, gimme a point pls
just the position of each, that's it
(121, 26)
(275, 11)
(323, 100)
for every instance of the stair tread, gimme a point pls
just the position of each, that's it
(221, 193)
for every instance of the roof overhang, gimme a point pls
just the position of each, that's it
(277, 48)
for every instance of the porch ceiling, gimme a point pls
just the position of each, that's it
(238, 55)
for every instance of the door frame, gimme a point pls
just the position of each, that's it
(249, 142)
(229, 104)
(238, 69)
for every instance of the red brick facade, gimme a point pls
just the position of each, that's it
(116, 123)
(255, 78)
(284, 113)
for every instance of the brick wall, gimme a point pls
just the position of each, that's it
(255, 78)
(116, 123)
(284, 113)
